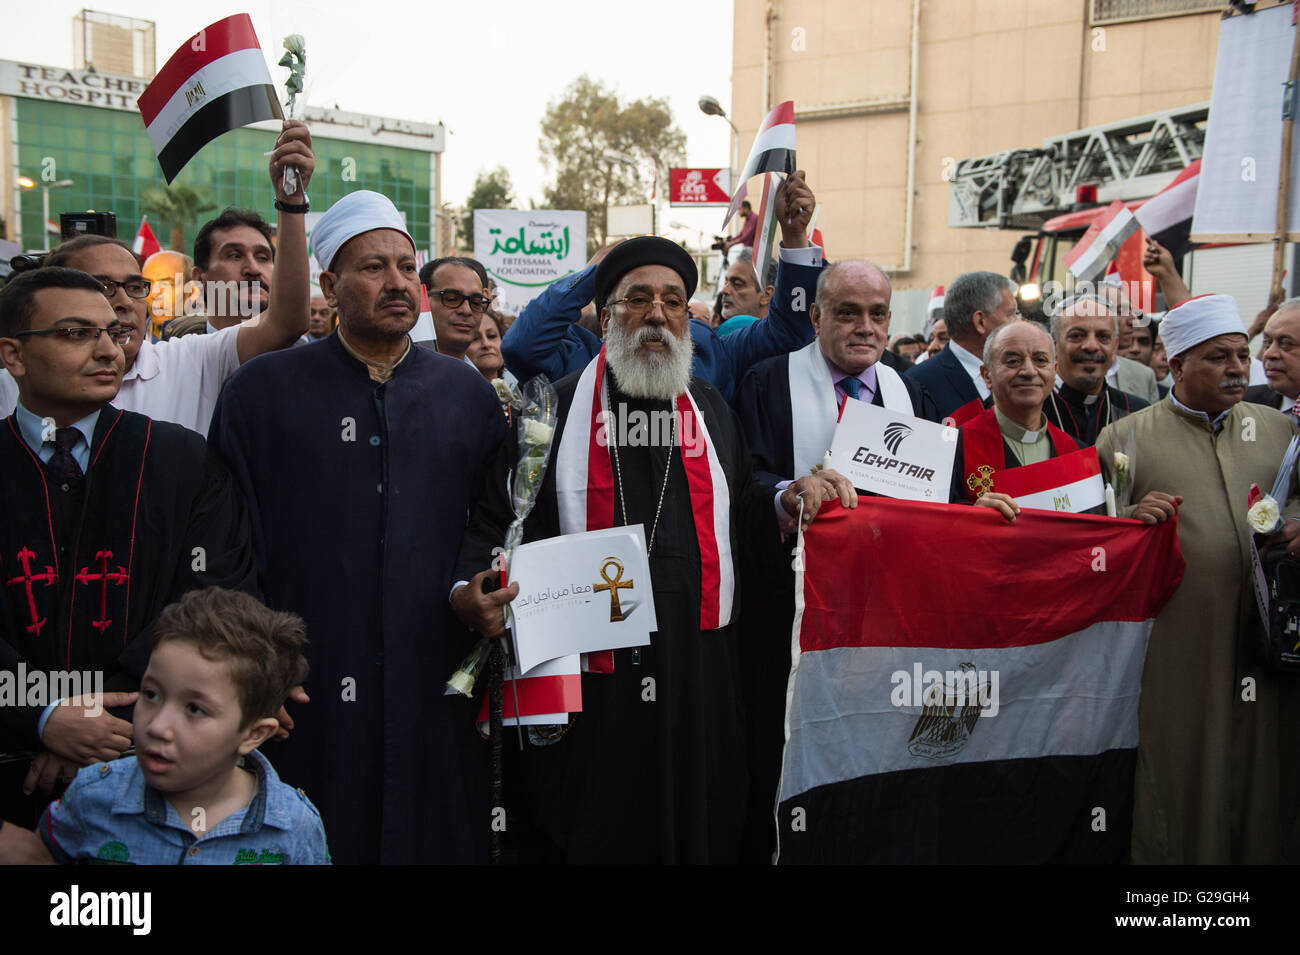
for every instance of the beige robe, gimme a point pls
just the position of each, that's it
(1217, 777)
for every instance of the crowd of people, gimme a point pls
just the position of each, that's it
(272, 539)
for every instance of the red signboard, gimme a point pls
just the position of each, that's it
(699, 187)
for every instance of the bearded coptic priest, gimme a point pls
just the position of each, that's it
(635, 779)
(1217, 775)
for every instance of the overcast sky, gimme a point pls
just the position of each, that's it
(486, 69)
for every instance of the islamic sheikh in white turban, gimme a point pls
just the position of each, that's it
(1198, 320)
(355, 213)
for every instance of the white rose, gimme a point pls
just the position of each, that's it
(1263, 516)
(503, 390)
(537, 433)
(1121, 462)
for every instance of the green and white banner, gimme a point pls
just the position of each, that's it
(525, 250)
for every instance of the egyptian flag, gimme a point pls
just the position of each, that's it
(765, 234)
(146, 243)
(1172, 204)
(1070, 483)
(424, 330)
(545, 695)
(217, 81)
(773, 152)
(1088, 259)
(977, 718)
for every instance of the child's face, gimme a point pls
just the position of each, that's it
(187, 721)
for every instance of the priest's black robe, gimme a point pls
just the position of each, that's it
(635, 779)
(358, 493)
(1083, 420)
(88, 564)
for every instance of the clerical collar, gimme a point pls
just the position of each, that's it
(378, 370)
(1214, 423)
(1018, 432)
(1075, 396)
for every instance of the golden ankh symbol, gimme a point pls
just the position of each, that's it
(613, 586)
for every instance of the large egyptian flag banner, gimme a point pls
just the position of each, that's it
(961, 714)
(217, 81)
(1088, 260)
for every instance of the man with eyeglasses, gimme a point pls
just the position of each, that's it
(179, 379)
(639, 440)
(105, 518)
(1280, 354)
(360, 459)
(458, 296)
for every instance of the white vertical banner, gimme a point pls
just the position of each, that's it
(525, 250)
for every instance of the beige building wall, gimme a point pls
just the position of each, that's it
(992, 75)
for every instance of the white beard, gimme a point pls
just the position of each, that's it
(649, 375)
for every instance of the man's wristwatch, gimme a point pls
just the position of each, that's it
(301, 208)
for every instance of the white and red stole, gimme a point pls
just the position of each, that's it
(584, 484)
(813, 408)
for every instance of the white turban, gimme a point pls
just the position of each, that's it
(355, 213)
(1198, 320)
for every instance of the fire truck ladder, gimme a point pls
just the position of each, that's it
(1131, 159)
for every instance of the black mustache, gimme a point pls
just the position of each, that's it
(1085, 357)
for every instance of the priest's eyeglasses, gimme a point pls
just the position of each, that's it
(134, 288)
(452, 299)
(637, 305)
(84, 334)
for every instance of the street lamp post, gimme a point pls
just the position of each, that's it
(28, 183)
(614, 155)
(711, 107)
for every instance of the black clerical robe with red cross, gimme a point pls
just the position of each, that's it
(87, 563)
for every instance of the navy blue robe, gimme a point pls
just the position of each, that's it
(358, 494)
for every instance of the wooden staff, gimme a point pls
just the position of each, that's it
(1284, 179)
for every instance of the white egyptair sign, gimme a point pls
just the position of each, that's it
(893, 454)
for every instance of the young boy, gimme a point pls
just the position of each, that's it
(198, 791)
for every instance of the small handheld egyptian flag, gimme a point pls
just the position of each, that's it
(773, 151)
(1071, 482)
(217, 81)
(146, 243)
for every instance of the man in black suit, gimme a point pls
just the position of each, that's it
(1280, 354)
(974, 304)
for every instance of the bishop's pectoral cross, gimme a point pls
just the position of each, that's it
(980, 480)
(49, 579)
(613, 586)
(105, 577)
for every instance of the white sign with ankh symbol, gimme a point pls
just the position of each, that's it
(580, 593)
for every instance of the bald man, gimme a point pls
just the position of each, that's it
(788, 409)
(1280, 354)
